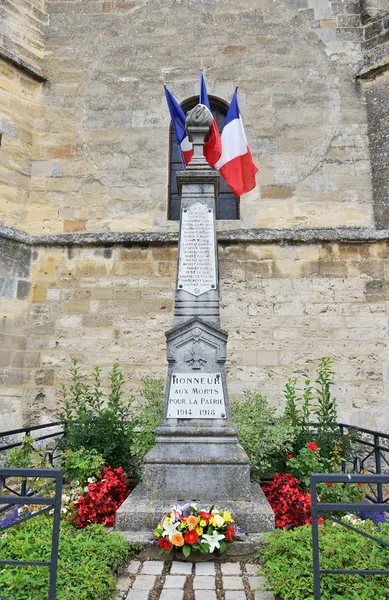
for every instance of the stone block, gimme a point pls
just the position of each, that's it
(174, 582)
(151, 567)
(39, 292)
(205, 569)
(8, 287)
(170, 594)
(137, 595)
(205, 595)
(256, 582)
(133, 567)
(235, 595)
(23, 289)
(181, 568)
(203, 582)
(230, 568)
(144, 582)
(233, 583)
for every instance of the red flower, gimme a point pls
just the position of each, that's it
(290, 456)
(360, 484)
(191, 537)
(291, 506)
(100, 503)
(164, 543)
(204, 516)
(329, 484)
(320, 521)
(313, 446)
(230, 533)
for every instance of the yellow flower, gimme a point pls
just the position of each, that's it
(167, 520)
(199, 530)
(157, 534)
(227, 517)
(203, 523)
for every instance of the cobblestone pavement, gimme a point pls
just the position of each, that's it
(158, 580)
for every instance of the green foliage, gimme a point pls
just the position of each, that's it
(25, 456)
(315, 403)
(79, 465)
(287, 561)
(265, 437)
(148, 416)
(93, 420)
(339, 492)
(305, 463)
(87, 559)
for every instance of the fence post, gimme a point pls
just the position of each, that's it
(315, 541)
(377, 455)
(55, 538)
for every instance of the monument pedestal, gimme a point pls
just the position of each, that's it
(197, 457)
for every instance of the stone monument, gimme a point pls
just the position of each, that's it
(197, 456)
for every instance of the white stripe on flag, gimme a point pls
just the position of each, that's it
(234, 142)
(186, 144)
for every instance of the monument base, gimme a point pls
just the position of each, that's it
(139, 515)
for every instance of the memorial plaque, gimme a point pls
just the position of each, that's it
(196, 396)
(197, 264)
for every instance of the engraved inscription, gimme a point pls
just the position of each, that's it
(197, 263)
(196, 396)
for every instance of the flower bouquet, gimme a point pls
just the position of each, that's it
(189, 528)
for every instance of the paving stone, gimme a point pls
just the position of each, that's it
(151, 567)
(181, 568)
(263, 596)
(172, 595)
(256, 582)
(205, 595)
(204, 583)
(235, 595)
(233, 583)
(231, 568)
(133, 567)
(252, 569)
(137, 595)
(144, 582)
(175, 582)
(205, 568)
(123, 583)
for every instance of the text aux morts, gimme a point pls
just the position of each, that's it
(196, 396)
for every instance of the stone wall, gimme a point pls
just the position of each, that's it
(375, 82)
(101, 161)
(285, 306)
(22, 29)
(15, 276)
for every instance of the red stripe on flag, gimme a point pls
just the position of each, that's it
(213, 148)
(239, 173)
(187, 156)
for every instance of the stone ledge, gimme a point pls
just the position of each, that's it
(260, 236)
(370, 71)
(22, 64)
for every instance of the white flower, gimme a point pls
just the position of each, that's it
(91, 480)
(170, 529)
(213, 540)
(218, 520)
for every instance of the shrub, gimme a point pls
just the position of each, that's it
(287, 561)
(265, 437)
(102, 499)
(87, 559)
(148, 416)
(82, 464)
(97, 422)
(315, 403)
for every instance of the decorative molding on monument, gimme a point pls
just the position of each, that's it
(275, 236)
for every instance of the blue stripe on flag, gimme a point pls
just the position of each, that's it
(233, 111)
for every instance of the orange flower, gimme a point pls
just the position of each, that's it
(177, 539)
(192, 522)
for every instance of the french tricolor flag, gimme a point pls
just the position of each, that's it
(236, 164)
(213, 147)
(178, 118)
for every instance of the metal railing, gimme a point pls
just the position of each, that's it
(321, 508)
(49, 455)
(49, 504)
(370, 456)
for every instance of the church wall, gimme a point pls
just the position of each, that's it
(284, 306)
(103, 145)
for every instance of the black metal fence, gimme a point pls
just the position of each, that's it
(15, 438)
(48, 504)
(321, 508)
